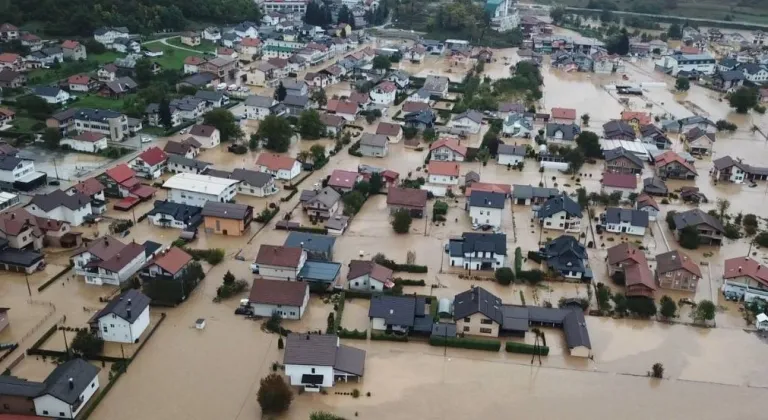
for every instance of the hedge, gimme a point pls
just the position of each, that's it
(55, 277)
(308, 229)
(388, 337)
(339, 312)
(51, 331)
(289, 196)
(359, 294)
(534, 256)
(518, 260)
(466, 343)
(352, 334)
(515, 347)
(532, 276)
(409, 282)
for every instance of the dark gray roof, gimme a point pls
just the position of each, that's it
(655, 185)
(259, 101)
(226, 210)
(19, 257)
(7, 163)
(96, 114)
(374, 140)
(59, 198)
(350, 360)
(13, 386)
(443, 329)
(49, 91)
(190, 215)
(529, 191)
(487, 199)
(473, 115)
(575, 329)
(510, 149)
(570, 131)
(725, 162)
(557, 204)
(218, 173)
(132, 300)
(622, 152)
(323, 350)
(209, 96)
(327, 196)
(185, 161)
(485, 242)
(618, 128)
(637, 218)
(306, 195)
(81, 373)
(396, 310)
(310, 241)
(695, 119)
(476, 300)
(250, 177)
(297, 101)
(320, 271)
(696, 217)
(199, 79)
(565, 253)
(436, 83)
(731, 75)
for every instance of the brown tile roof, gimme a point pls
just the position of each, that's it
(626, 254)
(743, 266)
(411, 106)
(638, 274)
(564, 113)
(119, 260)
(250, 42)
(644, 200)
(343, 179)
(410, 197)
(359, 98)
(617, 180)
(275, 162)
(70, 44)
(388, 129)
(8, 57)
(676, 260)
(342, 107)
(376, 271)
(13, 222)
(278, 292)
(193, 60)
(505, 189)
(79, 79)
(89, 187)
(102, 248)
(173, 260)
(642, 118)
(451, 144)
(89, 136)
(669, 156)
(281, 256)
(331, 120)
(443, 168)
(202, 130)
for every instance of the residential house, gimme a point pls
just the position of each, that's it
(420, 120)
(384, 93)
(629, 221)
(188, 148)
(316, 361)
(318, 247)
(104, 121)
(189, 108)
(651, 134)
(20, 260)
(169, 278)
(745, 278)
(614, 182)
(478, 251)
(412, 199)
(66, 390)
(258, 107)
(250, 48)
(19, 229)
(562, 133)
(511, 155)
(191, 39)
(619, 130)
(334, 124)
(436, 85)
(671, 165)
(52, 95)
(374, 145)
(108, 35)
(646, 203)
(109, 261)
(567, 257)
(19, 174)
(86, 142)
(478, 312)
(710, 229)
(258, 184)
(80, 83)
(728, 81)
(393, 132)
(677, 271)
(321, 204)
(227, 218)
(655, 186)
(73, 50)
(469, 121)
(443, 176)
(12, 79)
(754, 72)
(12, 61)
(400, 314)
(287, 299)
(107, 73)
(279, 166)
(638, 278)
(699, 142)
(118, 88)
(212, 99)
(563, 115)
(410, 107)
(486, 208)
(517, 125)
(6, 116)
(120, 181)
(526, 195)
(343, 181)
(192, 63)
(197, 190)
(208, 136)
(211, 33)
(447, 150)
(168, 214)
(150, 163)
(222, 68)
(279, 262)
(9, 32)
(177, 164)
(560, 213)
(622, 161)
(296, 104)
(124, 319)
(345, 109)
(687, 123)
(415, 54)
(369, 276)
(58, 205)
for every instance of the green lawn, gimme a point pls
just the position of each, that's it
(204, 47)
(66, 69)
(95, 101)
(26, 124)
(106, 57)
(172, 58)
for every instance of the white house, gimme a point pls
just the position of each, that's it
(674, 64)
(560, 213)
(625, 184)
(285, 298)
(374, 145)
(196, 190)
(279, 262)
(107, 36)
(316, 361)
(629, 221)
(517, 125)
(58, 205)
(368, 276)
(646, 203)
(279, 166)
(108, 261)
(124, 319)
(67, 389)
(211, 33)
(181, 164)
(509, 154)
(384, 93)
(761, 322)
(447, 150)
(478, 251)
(257, 107)
(52, 95)
(174, 215)
(469, 121)
(486, 208)
(442, 177)
(86, 142)
(257, 184)
(19, 174)
(208, 136)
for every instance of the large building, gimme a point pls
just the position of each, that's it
(196, 190)
(294, 6)
(104, 121)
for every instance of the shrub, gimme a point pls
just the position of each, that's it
(534, 256)
(355, 393)
(352, 334)
(466, 343)
(274, 394)
(409, 282)
(87, 344)
(657, 370)
(212, 256)
(619, 278)
(531, 276)
(388, 337)
(515, 347)
(504, 276)
(518, 260)
(227, 290)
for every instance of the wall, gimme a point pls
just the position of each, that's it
(271, 272)
(373, 151)
(231, 226)
(473, 326)
(193, 198)
(445, 154)
(625, 192)
(286, 312)
(378, 324)
(366, 283)
(443, 179)
(510, 159)
(16, 405)
(54, 407)
(296, 371)
(123, 331)
(485, 216)
(631, 230)
(155, 220)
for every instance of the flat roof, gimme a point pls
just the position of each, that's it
(204, 184)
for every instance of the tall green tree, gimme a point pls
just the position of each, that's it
(682, 84)
(225, 122)
(401, 221)
(277, 133)
(310, 125)
(51, 138)
(589, 143)
(705, 311)
(675, 31)
(143, 71)
(319, 97)
(274, 394)
(743, 99)
(381, 62)
(164, 113)
(280, 92)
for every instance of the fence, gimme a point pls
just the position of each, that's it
(42, 321)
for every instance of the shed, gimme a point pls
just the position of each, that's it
(444, 308)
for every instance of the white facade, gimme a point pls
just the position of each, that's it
(196, 190)
(365, 283)
(268, 189)
(474, 260)
(625, 227)
(85, 146)
(167, 221)
(295, 372)
(466, 124)
(383, 97)
(49, 406)
(209, 142)
(485, 216)
(652, 212)
(443, 179)
(702, 63)
(117, 330)
(561, 221)
(61, 97)
(257, 112)
(515, 129)
(100, 276)
(625, 192)
(22, 170)
(445, 153)
(508, 159)
(285, 311)
(74, 217)
(286, 174)
(273, 272)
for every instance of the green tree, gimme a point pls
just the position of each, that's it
(375, 183)
(229, 278)
(164, 113)
(689, 238)
(620, 303)
(743, 99)
(619, 278)
(318, 153)
(225, 122)
(704, 311)
(353, 202)
(381, 62)
(641, 306)
(429, 135)
(143, 71)
(274, 394)
(557, 14)
(363, 187)
(280, 92)
(278, 133)
(670, 219)
(603, 297)
(310, 125)
(321, 415)
(606, 16)
(675, 31)
(682, 84)
(657, 370)
(668, 307)
(35, 106)
(254, 141)
(401, 221)
(87, 344)
(319, 97)
(504, 276)
(722, 208)
(575, 158)
(589, 143)
(585, 120)
(51, 138)
(410, 132)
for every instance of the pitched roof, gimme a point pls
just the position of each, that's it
(89, 136)
(374, 270)
(696, 133)
(79, 79)
(676, 260)
(476, 300)
(153, 156)
(645, 200)
(745, 266)
(235, 211)
(637, 218)
(618, 152)
(173, 260)
(342, 107)
(275, 162)
(259, 101)
(395, 310)
(695, 217)
(411, 197)
(280, 256)
(478, 242)
(120, 173)
(310, 241)
(323, 350)
(512, 149)
(486, 199)
(202, 130)
(669, 156)
(557, 204)
(373, 140)
(642, 118)
(127, 305)
(121, 259)
(327, 196)
(411, 106)
(619, 180)
(450, 144)
(330, 120)
(102, 248)
(443, 168)
(13, 386)
(343, 179)
(563, 113)
(569, 131)
(194, 60)
(58, 198)
(656, 184)
(181, 147)
(278, 292)
(388, 129)
(639, 274)
(89, 187)
(251, 177)
(618, 128)
(475, 116)
(57, 384)
(626, 253)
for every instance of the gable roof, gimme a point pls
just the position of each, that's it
(639, 274)
(563, 113)
(280, 256)
(127, 305)
(251, 177)
(486, 199)
(388, 129)
(327, 196)
(443, 168)
(412, 197)
(58, 198)
(411, 106)
(57, 383)
(153, 156)
(181, 212)
(119, 260)
(120, 173)
(202, 130)
(618, 128)
(745, 267)
(636, 218)
(478, 242)
(275, 162)
(626, 253)
(613, 154)
(695, 133)
(374, 270)
(695, 217)
(310, 241)
(450, 144)
(88, 187)
(323, 350)
(557, 204)
(642, 118)
(619, 180)
(676, 260)
(669, 156)
(512, 149)
(570, 131)
(475, 116)
(235, 211)
(645, 200)
(278, 292)
(395, 310)
(13, 386)
(373, 140)
(476, 300)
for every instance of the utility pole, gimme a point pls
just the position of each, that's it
(55, 169)
(66, 345)
(29, 289)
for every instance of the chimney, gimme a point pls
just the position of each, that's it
(307, 336)
(391, 311)
(129, 302)
(674, 256)
(71, 383)
(13, 216)
(739, 269)
(128, 312)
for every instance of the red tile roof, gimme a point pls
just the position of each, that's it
(7, 27)
(359, 98)
(343, 179)
(676, 260)
(669, 156)
(387, 87)
(224, 51)
(643, 118)
(342, 107)
(89, 136)
(564, 113)
(275, 162)
(443, 168)
(70, 44)
(489, 187)
(278, 292)
(89, 187)
(120, 173)
(689, 49)
(193, 60)
(415, 106)
(743, 266)
(79, 79)
(638, 275)
(153, 156)
(617, 180)
(173, 260)
(8, 57)
(626, 254)
(410, 197)
(280, 256)
(250, 42)
(388, 129)
(451, 144)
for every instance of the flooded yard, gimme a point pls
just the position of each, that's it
(355, 315)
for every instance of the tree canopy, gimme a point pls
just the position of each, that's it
(682, 84)
(743, 99)
(225, 122)
(401, 222)
(310, 126)
(276, 132)
(589, 143)
(274, 394)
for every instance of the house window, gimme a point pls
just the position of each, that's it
(486, 330)
(467, 319)
(105, 329)
(6, 407)
(313, 370)
(486, 321)
(61, 413)
(466, 329)
(93, 384)
(112, 325)
(45, 412)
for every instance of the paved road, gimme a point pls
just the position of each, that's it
(715, 22)
(165, 42)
